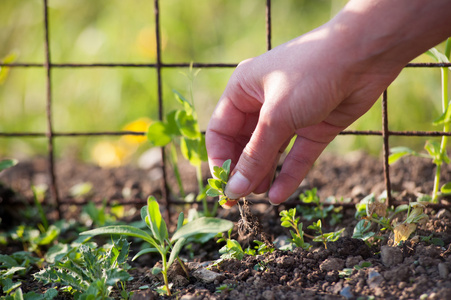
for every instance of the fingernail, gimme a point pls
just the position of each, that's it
(237, 186)
(272, 203)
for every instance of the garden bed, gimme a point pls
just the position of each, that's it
(348, 268)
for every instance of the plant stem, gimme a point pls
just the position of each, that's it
(446, 126)
(164, 271)
(201, 187)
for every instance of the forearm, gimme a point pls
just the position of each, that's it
(391, 32)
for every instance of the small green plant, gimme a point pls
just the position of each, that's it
(346, 272)
(90, 272)
(324, 237)
(224, 288)
(16, 264)
(216, 185)
(158, 238)
(373, 210)
(289, 220)
(319, 210)
(233, 250)
(181, 128)
(436, 151)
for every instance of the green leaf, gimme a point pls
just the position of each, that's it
(122, 230)
(226, 166)
(215, 183)
(433, 148)
(145, 251)
(446, 188)
(186, 104)
(437, 55)
(4, 71)
(202, 225)
(176, 250)
(157, 223)
(187, 124)
(159, 134)
(7, 163)
(180, 220)
(398, 152)
(190, 150)
(445, 118)
(213, 192)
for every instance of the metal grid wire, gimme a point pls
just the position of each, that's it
(159, 65)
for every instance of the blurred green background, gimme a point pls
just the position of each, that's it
(206, 31)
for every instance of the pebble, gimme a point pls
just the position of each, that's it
(347, 293)
(206, 275)
(374, 279)
(391, 256)
(353, 260)
(332, 264)
(443, 270)
(268, 295)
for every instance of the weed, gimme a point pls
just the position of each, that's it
(224, 288)
(373, 210)
(159, 236)
(216, 185)
(346, 272)
(181, 127)
(324, 237)
(89, 272)
(319, 210)
(288, 219)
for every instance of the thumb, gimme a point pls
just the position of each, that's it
(256, 162)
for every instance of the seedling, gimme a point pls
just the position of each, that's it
(158, 238)
(89, 272)
(324, 237)
(346, 272)
(224, 288)
(181, 127)
(375, 211)
(216, 185)
(436, 151)
(233, 249)
(319, 210)
(288, 219)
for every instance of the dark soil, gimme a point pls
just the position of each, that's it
(415, 270)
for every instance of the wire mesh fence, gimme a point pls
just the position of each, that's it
(51, 133)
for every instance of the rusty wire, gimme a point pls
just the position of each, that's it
(50, 134)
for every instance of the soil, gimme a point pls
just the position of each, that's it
(417, 269)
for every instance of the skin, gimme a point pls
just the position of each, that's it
(313, 87)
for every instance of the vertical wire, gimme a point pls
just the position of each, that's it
(49, 133)
(268, 25)
(165, 187)
(385, 135)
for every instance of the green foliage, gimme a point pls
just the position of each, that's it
(89, 272)
(437, 152)
(158, 237)
(216, 185)
(319, 210)
(224, 288)
(181, 128)
(233, 250)
(289, 220)
(7, 163)
(324, 237)
(11, 266)
(33, 239)
(346, 272)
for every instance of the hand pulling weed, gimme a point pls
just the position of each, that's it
(158, 238)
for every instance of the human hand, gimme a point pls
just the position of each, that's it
(312, 87)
